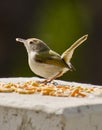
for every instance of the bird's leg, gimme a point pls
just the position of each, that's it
(52, 78)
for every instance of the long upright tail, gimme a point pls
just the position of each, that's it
(67, 55)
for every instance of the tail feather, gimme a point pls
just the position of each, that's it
(71, 67)
(67, 55)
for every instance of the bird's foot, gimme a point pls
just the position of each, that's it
(45, 81)
(48, 81)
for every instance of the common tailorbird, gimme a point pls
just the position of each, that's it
(47, 63)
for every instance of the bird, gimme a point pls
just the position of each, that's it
(47, 63)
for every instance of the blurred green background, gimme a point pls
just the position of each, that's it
(58, 23)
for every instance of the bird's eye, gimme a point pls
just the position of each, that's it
(31, 42)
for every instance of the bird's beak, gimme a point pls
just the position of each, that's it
(20, 40)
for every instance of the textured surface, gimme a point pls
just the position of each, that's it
(37, 112)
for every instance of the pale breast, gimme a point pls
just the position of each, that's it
(44, 70)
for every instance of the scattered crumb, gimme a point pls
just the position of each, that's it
(51, 89)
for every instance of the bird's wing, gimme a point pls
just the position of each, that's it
(67, 55)
(50, 57)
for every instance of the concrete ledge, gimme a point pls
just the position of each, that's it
(37, 112)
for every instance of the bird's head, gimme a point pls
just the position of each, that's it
(33, 44)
